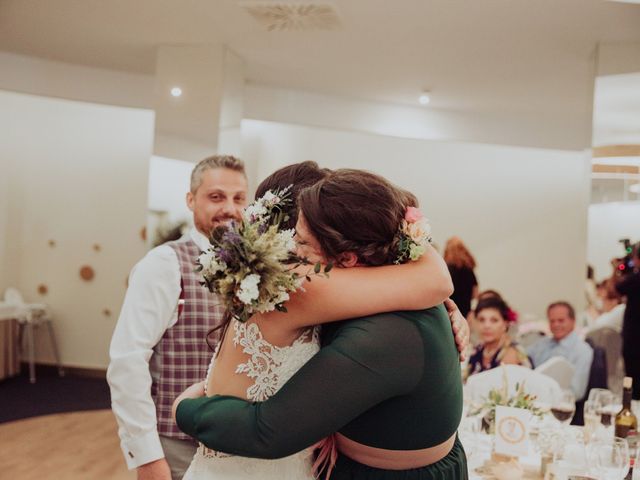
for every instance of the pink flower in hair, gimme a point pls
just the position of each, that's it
(512, 316)
(413, 214)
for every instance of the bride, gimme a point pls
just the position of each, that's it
(257, 357)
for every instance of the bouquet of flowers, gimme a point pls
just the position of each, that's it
(251, 263)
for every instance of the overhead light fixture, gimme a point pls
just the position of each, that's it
(176, 91)
(424, 98)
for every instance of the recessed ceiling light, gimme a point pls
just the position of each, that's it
(424, 98)
(176, 91)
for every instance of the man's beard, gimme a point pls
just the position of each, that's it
(221, 221)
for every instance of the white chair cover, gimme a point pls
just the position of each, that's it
(26, 312)
(559, 369)
(545, 388)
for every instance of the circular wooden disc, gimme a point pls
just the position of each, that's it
(87, 273)
(106, 312)
(43, 289)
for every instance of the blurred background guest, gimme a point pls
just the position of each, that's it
(612, 308)
(461, 265)
(566, 343)
(492, 318)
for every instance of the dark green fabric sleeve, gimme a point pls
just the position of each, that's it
(368, 361)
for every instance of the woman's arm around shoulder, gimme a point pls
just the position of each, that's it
(360, 291)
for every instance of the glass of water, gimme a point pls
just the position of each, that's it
(592, 419)
(609, 460)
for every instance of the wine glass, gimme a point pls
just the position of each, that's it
(469, 432)
(609, 460)
(570, 459)
(565, 407)
(592, 419)
(636, 467)
(602, 399)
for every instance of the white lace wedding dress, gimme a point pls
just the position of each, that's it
(270, 367)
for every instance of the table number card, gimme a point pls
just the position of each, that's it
(512, 431)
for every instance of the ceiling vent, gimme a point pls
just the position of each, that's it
(282, 17)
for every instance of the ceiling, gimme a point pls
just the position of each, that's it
(474, 55)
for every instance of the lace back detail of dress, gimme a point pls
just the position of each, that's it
(270, 366)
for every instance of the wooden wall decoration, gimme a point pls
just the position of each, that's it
(106, 312)
(43, 289)
(52, 243)
(87, 273)
(97, 247)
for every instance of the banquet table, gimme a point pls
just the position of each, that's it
(479, 455)
(479, 448)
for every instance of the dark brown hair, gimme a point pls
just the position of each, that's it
(497, 303)
(356, 211)
(299, 176)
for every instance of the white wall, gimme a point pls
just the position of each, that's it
(77, 175)
(608, 223)
(522, 211)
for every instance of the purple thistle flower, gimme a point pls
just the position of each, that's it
(232, 237)
(225, 255)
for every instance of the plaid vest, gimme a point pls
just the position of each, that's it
(182, 356)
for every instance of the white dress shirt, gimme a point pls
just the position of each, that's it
(611, 319)
(574, 349)
(150, 307)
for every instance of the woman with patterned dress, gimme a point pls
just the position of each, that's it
(256, 358)
(388, 384)
(492, 318)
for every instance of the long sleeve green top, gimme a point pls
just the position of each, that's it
(389, 381)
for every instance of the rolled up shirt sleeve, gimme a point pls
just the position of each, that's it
(149, 308)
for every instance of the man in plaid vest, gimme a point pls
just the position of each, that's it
(159, 345)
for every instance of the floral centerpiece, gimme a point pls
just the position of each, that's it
(500, 397)
(252, 263)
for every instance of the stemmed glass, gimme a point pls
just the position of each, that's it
(592, 419)
(609, 460)
(602, 398)
(565, 408)
(636, 466)
(469, 436)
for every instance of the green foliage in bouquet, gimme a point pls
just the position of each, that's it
(251, 264)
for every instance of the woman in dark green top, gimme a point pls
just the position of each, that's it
(388, 381)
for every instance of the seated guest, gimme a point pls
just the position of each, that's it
(565, 343)
(612, 310)
(492, 319)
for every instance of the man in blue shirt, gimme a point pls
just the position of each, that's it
(565, 343)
